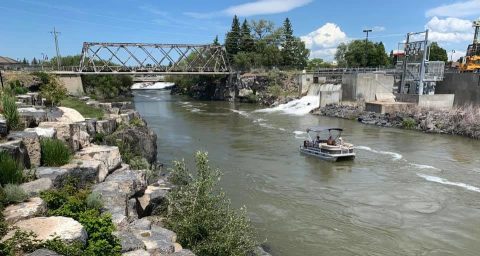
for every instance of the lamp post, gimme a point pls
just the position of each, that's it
(367, 31)
(451, 56)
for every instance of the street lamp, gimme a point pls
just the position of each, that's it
(366, 45)
(451, 56)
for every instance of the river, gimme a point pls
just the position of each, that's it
(407, 193)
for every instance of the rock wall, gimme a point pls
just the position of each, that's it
(459, 121)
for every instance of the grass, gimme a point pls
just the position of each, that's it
(84, 109)
(10, 170)
(54, 152)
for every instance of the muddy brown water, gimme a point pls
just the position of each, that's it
(407, 193)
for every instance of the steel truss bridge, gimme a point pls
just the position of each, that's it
(150, 59)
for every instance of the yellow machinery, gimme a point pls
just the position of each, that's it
(471, 62)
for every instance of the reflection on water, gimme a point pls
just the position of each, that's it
(407, 193)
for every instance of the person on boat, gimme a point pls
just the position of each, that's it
(331, 141)
(318, 141)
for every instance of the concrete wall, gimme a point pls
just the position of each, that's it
(330, 97)
(465, 86)
(73, 84)
(306, 81)
(365, 86)
(428, 101)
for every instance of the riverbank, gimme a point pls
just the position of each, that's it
(458, 121)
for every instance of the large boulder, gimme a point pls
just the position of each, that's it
(156, 241)
(32, 116)
(62, 130)
(3, 127)
(17, 149)
(129, 241)
(70, 115)
(137, 253)
(109, 156)
(79, 136)
(34, 188)
(141, 141)
(45, 132)
(83, 171)
(116, 192)
(153, 198)
(106, 127)
(47, 228)
(32, 144)
(16, 212)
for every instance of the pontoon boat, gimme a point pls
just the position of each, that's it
(327, 144)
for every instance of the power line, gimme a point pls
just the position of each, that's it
(55, 34)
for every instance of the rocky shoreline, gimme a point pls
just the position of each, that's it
(126, 193)
(459, 121)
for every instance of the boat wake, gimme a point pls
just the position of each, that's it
(447, 182)
(395, 156)
(423, 166)
(300, 106)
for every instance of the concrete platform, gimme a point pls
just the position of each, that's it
(386, 107)
(443, 101)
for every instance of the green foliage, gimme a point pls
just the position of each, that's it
(3, 224)
(437, 53)
(54, 152)
(87, 111)
(107, 86)
(358, 53)
(43, 77)
(316, 63)
(10, 111)
(14, 193)
(409, 123)
(99, 138)
(139, 163)
(94, 201)
(202, 216)
(259, 45)
(137, 122)
(17, 88)
(10, 170)
(26, 242)
(84, 207)
(53, 91)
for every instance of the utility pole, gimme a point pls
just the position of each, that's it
(1, 78)
(366, 46)
(55, 36)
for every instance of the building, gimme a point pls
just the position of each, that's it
(9, 64)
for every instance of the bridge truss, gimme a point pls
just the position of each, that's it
(140, 58)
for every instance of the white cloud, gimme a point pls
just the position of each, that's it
(260, 7)
(323, 42)
(379, 29)
(257, 7)
(456, 55)
(459, 9)
(449, 30)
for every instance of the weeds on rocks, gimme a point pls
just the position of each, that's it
(10, 170)
(10, 111)
(202, 216)
(54, 152)
(14, 194)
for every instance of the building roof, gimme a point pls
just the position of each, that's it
(6, 61)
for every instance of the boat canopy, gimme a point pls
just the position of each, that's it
(321, 129)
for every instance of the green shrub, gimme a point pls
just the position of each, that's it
(14, 193)
(409, 123)
(137, 122)
(139, 163)
(107, 86)
(10, 112)
(17, 87)
(10, 170)
(54, 152)
(202, 216)
(99, 138)
(84, 207)
(94, 201)
(53, 91)
(43, 77)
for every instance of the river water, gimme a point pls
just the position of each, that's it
(407, 193)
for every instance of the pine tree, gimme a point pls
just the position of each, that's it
(246, 41)
(34, 61)
(232, 40)
(215, 41)
(288, 44)
(24, 61)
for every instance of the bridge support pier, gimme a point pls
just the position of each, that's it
(73, 84)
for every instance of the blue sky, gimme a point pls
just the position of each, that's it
(25, 24)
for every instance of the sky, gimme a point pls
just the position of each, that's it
(25, 25)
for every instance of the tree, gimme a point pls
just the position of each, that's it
(24, 61)
(232, 40)
(353, 54)
(34, 61)
(437, 53)
(261, 28)
(288, 44)
(215, 41)
(316, 63)
(340, 55)
(246, 40)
